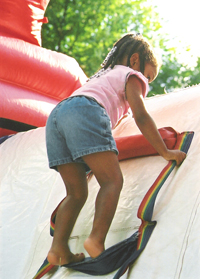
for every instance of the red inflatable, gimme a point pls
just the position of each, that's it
(32, 79)
(137, 145)
(22, 19)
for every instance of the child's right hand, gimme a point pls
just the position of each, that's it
(175, 155)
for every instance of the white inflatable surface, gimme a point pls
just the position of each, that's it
(30, 191)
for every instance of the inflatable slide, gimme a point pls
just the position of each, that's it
(32, 81)
(30, 191)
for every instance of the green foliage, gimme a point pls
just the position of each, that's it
(87, 29)
(174, 75)
(192, 76)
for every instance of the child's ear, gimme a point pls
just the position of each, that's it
(134, 60)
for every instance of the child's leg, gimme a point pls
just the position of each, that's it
(106, 169)
(74, 177)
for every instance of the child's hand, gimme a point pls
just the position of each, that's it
(176, 155)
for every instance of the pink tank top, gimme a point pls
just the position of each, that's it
(108, 89)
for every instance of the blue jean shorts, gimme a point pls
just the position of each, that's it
(77, 126)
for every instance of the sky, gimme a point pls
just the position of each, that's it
(181, 20)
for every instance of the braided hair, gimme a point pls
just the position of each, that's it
(126, 46)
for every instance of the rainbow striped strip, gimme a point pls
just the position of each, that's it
(45, 268)
(146, 207)
(53, 219)
(145, 211)
(52, 222)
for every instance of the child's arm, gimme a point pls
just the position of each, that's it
(146, 124)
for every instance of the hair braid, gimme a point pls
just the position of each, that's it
(121, 48)
(126, 46)
(135, 47)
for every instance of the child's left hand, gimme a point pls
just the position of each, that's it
(175, 155)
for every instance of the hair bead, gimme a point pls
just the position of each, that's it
(111, 53)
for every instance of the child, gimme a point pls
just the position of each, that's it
(79, 138)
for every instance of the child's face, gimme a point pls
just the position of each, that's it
(150, 72)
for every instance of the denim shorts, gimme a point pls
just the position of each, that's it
(77, 126)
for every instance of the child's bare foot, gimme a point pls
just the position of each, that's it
(93, 247)
(56, 259)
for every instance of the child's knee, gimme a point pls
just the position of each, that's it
(121, 182)
(117, 183)
(81, 197)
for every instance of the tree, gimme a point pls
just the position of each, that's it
(87, 29)
(174, 75)
(192, 76)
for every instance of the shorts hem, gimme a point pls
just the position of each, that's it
(77, 157)
(53, 164)
(94, 150)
